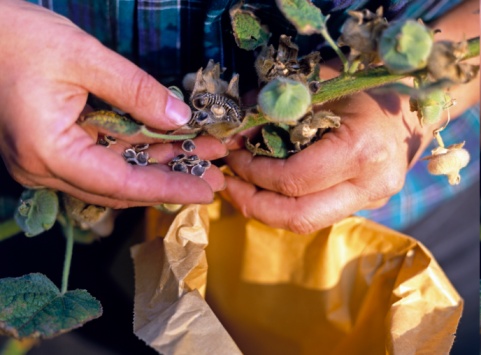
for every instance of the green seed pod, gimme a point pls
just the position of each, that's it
(430, 107)
(284, 100)
(405, 46)
(37, 211)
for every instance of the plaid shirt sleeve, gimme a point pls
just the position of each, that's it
(169, 38)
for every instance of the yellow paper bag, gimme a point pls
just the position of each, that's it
(354, 288)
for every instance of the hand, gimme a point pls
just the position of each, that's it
(359, 165)
(48, 68)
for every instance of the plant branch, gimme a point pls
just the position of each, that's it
(169, 137)
(8, 229)
(68, 252)
(348, 84)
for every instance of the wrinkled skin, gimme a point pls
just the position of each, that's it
(48, 68)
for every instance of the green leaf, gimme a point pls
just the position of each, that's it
(248, 32)
(274, 142)
(37, 211)
(306, 18)
(112, 122)
(32, 306)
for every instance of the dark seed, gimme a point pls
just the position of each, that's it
(201, 116)
(188, 145)
(142, 158)
(198, 170)
(180, 167)
(129, 153)
(205, 164)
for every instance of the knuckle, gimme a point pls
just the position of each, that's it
(141, 87)
(288, 185)
(300, 224)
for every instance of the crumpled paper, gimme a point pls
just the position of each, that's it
(353, 288)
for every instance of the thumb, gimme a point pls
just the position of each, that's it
(122, 84)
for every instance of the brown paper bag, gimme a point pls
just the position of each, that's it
(354, 288)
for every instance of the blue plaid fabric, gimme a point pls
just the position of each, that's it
(169, 38)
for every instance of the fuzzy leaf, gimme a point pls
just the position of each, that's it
(37, 211)
(248, 32)
(112, 122)
(306, 18)
(32, 306)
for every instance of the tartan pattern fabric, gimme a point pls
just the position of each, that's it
(169, 38)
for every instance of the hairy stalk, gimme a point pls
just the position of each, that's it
(68, 252)
(348, 84)
(336, 49)
(168, 137)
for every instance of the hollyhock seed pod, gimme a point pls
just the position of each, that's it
(449, 161)
(284, 100)
(405, 46)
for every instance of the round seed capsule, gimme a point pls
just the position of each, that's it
(180, 167)
(198, 170)
(188, 145)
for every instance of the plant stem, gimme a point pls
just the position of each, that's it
(336, 49)
(348, 84)
(169, 137)
(68, 253)
(18, 347)
(8, 229)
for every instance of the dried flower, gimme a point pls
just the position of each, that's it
(444, 62)
(448, 161)
(361, 33)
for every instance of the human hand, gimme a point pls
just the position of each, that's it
(49, 66)
(358, 165)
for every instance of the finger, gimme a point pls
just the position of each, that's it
(93, 168)
(301, 215)
(214, 176)
(116, 80)
(326, 163)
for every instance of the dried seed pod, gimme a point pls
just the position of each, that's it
(283, 62)
(448, 161)
(311, 127)
(361, 33)
(284, 100)
(405, 46)
(444, 62)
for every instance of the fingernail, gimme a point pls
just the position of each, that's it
(177, 111)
